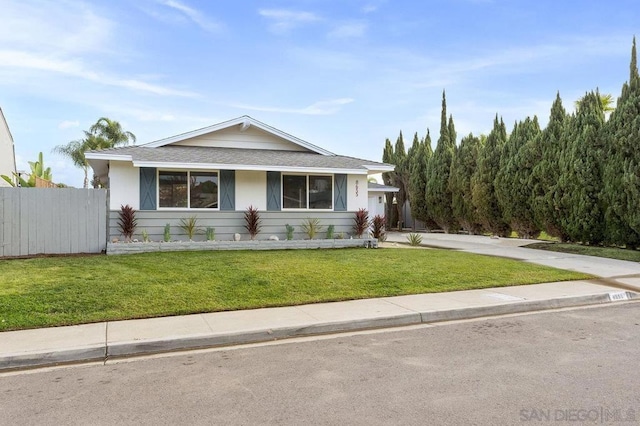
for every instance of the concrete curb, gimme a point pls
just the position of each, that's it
(179, 343)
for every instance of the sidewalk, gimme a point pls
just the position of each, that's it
(101, 341)
(620, 281)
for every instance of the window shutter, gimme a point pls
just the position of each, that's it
(273, 191)
(340, 193)
(148, 188)
(227, 190)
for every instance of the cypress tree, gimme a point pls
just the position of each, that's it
(546, 173)
(483, 190)
(513, 183)
(418, 181)
(388, 178)
(438, 194)
(583, 173)
(401, 177)
(463, 167)
(622, 173)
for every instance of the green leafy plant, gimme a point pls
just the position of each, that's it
(311, 227)
(330, 231)
(290, 230)
(252, 220)
(190, 226)
(414, 239)
(211, 233)
(145, 236)
(361, 222)
(127, 221)
(378, 230)
(167, 233)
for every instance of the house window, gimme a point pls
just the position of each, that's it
(307, 192)
(196, 190)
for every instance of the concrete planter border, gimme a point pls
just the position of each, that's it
(131, 248)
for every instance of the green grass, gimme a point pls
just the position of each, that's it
(74, 290)
(608, 252)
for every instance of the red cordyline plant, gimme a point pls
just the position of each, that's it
(252, 221)
(377, 227)
(361, 222)
(127, 221)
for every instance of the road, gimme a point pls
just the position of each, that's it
(575, 366)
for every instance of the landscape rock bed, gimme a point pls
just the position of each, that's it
(131, 248)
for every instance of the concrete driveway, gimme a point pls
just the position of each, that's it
(624, 272)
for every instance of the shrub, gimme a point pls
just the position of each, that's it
(167, 233)
(211, 233)
(330, 230)
(311, 227)
(189, 226)
(378, 230)
(361, 222)
(127, 221)
(290, 230)
(252, 221)
(414, 239)
(145, 236)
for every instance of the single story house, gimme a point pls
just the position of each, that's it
(7, 152)
(217, 172)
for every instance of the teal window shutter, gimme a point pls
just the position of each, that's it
(274, 182)
(148, 188)
(340, 193)
(227, 190)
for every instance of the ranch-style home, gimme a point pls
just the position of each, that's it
(217, 172)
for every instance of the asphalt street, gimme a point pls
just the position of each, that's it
(575, 366)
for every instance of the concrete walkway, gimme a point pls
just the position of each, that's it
(102, 341)
(624, 272)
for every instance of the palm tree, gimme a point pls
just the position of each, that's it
(112, 132)
(104, 134)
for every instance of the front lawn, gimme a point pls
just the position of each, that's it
(45, 292)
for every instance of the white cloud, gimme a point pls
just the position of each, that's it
(68, 124)
(349, 30)
(194, 16)
(69, 27)
(284, 21)
(75, 68)
(318, 108)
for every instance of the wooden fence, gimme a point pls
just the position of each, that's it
(52, 221)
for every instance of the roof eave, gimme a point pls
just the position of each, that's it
(247, 167)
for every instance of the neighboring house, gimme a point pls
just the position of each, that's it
(377, 199)
(215, 173)
(7, 152)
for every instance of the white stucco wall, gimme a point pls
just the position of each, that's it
(251, 189)
(357, 193)
(124, 185)
(7, 157)
(376, 206)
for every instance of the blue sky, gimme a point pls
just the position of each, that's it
(341, 74)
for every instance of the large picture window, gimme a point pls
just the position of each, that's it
(307, 192)
(195, 190)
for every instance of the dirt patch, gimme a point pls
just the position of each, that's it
(389, 244)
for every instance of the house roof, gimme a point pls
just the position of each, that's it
(172, 153)
(237, 159)
(377, 187)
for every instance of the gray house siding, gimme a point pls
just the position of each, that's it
(227, 223)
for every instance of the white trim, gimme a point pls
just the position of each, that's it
(188, 208)
(101, 156)
(245, 121)
(217, 166)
